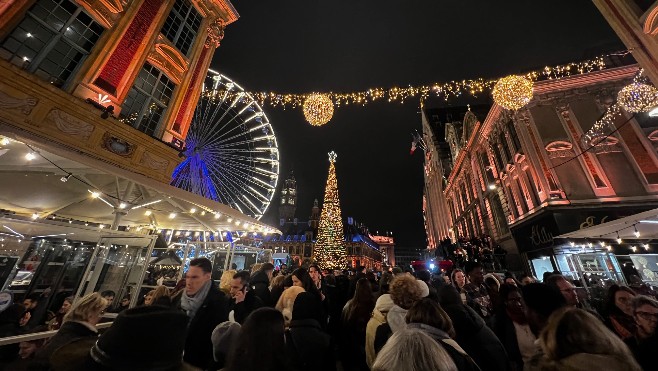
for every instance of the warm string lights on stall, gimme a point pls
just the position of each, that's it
(646, 245)
(95, 193)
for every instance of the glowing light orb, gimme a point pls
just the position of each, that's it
(512, 92)
(638, 97)
(318, 109)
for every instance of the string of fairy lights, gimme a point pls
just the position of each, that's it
(511, 92)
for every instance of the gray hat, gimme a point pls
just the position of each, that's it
(223, 336)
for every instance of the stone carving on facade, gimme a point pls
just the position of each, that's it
(25, 105)
(69, 124)
(118, 146)
(154, 162)
(608, 144)
(215, 33)
(560, 149)
(650, 26)
(167, 58)
(106, 12)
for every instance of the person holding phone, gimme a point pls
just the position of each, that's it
(243, 301)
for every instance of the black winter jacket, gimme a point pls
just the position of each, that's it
(213, 311)
(308, 347)
(260, 286)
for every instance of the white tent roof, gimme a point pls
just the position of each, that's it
(646, 223)
(29, 187)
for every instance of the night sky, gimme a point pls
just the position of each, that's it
(347, 45)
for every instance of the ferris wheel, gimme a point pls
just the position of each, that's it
(231, 152)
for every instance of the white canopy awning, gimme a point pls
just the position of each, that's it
(646, 223)
(98, 192)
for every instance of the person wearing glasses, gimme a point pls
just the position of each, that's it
(645, 342)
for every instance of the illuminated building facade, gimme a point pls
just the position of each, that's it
(526, 177)
(636, 24)
(107, 76)
(386, 247)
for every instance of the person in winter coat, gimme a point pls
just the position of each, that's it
(619, 316)
(511, 326)
(260, 284)
(287, 301)
(427, 316)
(355, 318)
(405, 291)
(574, 340)
(243, 300)
(472, 333)
(378, 319)
(79, 323)
(260, 345)
(308, 347)
(645, 342)
(206, 306)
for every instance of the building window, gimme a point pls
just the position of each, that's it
(515, 137)
(182, 25)
(147, 101)
(52, 40)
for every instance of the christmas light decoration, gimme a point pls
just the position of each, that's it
(444, 90)
(318, 109)
(330, 250)
(512, 92)
(638, 97)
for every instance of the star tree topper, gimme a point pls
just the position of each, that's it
(332, 156)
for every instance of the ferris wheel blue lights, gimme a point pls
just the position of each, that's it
(231, 150)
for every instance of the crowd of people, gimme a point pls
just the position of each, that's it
(310, 319)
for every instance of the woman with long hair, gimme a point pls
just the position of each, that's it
(301, 278)
(619, 314)
(159, 296)
(260, 344)
(356, 314)
(458, 280)
(412, 350)
(576, 340)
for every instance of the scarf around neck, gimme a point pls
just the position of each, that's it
(192, 303)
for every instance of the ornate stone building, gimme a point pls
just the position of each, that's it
(525, 177)
(69, 67)
(636, 24)
(386, 247)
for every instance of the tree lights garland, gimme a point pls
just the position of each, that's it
(330, 247)
(445, 90)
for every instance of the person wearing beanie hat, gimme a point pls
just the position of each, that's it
(307, 346)
(141, 338)
(424, 289)
(377, 324)
(223, 337)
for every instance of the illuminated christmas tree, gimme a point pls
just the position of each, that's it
(330, 246)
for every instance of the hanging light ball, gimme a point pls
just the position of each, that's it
(512, 92)
(638, 97)
(318, 109)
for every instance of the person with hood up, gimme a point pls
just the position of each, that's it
(223, 337)
(472, 333)
(378, 319)
(575, 340)
(307, 346)
(260, 284)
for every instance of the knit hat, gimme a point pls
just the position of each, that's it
(424, 289)
(223, 336)
(143, 338)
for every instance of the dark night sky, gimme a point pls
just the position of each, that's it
(346, 45)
